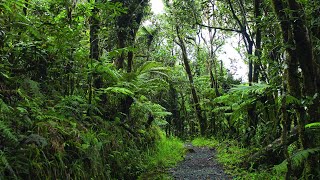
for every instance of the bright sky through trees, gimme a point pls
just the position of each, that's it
(228, 55)
(157, 6)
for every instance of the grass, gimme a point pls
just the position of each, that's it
(200, 142)
(167, 153)
(231, 155)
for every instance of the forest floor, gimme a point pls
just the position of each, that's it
(199, 164)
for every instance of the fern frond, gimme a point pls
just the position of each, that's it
(256, 88)
(292, 100)
(222, 99)
(147, 66)
(221, 109)
(315, 125)
(7, 133)
(296, 159)
(32, 87)
(119, 90)
(160, 122)
(4, 108)
(4, 163)
(145, 30)
(152, 67)
(36, 139)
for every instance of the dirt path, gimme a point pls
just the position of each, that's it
(199, 164)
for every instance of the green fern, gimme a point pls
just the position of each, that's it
(297, 159)
(152, 68)
(221, 109)
(223, 99)
(159, 112)
(4, 108)
(315, 125)
(119, 90)
(31, 87)
(292, 100)
(7, 133)
(4, 164)
(36, 139)
(256, 88)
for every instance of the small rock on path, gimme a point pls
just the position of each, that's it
(199, 164)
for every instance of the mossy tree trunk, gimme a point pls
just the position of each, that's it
(202, 120)
(94, 48)
(299, 54)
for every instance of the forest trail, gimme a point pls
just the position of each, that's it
(199, 164)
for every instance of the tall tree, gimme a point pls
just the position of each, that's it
(300, 54)
(127, 26)
(94, 48)
(202, 120)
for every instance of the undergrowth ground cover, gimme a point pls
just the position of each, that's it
(232, 155)
(167, 153)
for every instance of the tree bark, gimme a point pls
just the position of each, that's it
(257, 52)
(94, 46)
(202, 120)
(300, 51)
(285, 121)
(304, 53)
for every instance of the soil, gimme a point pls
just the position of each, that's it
(199, 164)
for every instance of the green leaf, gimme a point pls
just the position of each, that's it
(5, 75)
(120, 90)
(315, 125)
(296, 159)
(292, 100)
(22, 110)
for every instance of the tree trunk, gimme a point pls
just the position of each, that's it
(174, 109)
(304, 53)
(299, 50)
(257, 53)
(94, 45)
(202, 120)
(285, 121)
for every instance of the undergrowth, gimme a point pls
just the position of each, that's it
(39, 140)
(231, 155)
(200, 142)
(167, 152)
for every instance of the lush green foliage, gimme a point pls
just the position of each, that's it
(204, 142)
(297, 158)
(166, 153)
(86, 85)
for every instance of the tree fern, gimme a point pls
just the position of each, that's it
(152, 67)
(147, 107)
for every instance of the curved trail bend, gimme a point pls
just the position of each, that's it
(199, 164)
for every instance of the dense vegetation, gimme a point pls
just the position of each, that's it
(91, 89)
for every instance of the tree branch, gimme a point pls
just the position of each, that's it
(220, 28)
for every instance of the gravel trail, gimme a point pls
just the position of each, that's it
(199, 164)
